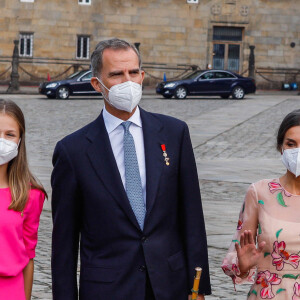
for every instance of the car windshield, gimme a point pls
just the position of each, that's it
(76, 74)
(192, 75)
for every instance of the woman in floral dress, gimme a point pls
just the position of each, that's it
(270, 218)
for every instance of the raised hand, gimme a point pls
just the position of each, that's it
(247, 253)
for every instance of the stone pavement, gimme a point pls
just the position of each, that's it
(234, 145)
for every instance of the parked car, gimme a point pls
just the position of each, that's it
(209, 83)
(78, 84)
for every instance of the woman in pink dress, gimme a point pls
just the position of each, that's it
(21, 203)
(270, 219)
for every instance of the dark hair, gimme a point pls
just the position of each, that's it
(96, 58)
(290, 120)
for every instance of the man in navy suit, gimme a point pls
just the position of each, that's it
(125, 187)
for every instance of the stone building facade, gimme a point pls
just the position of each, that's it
(58, 36)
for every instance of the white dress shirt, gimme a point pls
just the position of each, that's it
(116, 134)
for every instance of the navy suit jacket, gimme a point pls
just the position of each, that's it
(90, 207)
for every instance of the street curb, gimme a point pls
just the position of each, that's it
(33, 90)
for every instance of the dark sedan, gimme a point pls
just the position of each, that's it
(208, 83)
(78, 84)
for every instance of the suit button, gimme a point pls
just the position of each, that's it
(142, 268)
(144, 239)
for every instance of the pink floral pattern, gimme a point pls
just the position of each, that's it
(266, 279)
(240, 221)
(239, 225)
(231, 270)
(281, 257)
(296, 295)
(227, 270)
(272, 278)
(275, 186)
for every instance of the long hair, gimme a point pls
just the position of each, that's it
(20, 179)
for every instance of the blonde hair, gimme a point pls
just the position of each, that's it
(20, 179)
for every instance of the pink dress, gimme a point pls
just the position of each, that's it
(273, 215)
(18, 239)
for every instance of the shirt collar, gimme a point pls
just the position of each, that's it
(111, 122)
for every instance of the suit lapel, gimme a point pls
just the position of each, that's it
(152, 130)
(103, 161)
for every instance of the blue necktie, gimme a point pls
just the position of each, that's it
(132, 177)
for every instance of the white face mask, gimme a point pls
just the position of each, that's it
(124, 96)
(291, 160)
(8, 150)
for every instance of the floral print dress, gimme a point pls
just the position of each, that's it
(273, 215)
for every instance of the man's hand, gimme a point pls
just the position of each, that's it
(199, 297)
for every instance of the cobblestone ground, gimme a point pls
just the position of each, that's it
(254, 138)
(48, 121)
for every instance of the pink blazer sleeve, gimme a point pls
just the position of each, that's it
(32, 220)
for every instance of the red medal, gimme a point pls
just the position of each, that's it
(165, 155)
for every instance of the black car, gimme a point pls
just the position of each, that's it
(210, 83)
(77, 84)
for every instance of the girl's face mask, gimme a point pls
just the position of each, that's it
(8, 150)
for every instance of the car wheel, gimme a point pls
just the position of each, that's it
(238, 93)
(225, 96)
(167, 96)
(62, 93)
(50, 96)
(180, 92)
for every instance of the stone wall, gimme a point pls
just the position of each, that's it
(171, 32)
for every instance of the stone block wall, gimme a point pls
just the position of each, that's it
(170, 32)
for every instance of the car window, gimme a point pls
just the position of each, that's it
(227, 75)
(230, 75)
(220, 75)
(87, 76)
(192, 75)
(223, 75)
(76, 74)
(207, 75)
